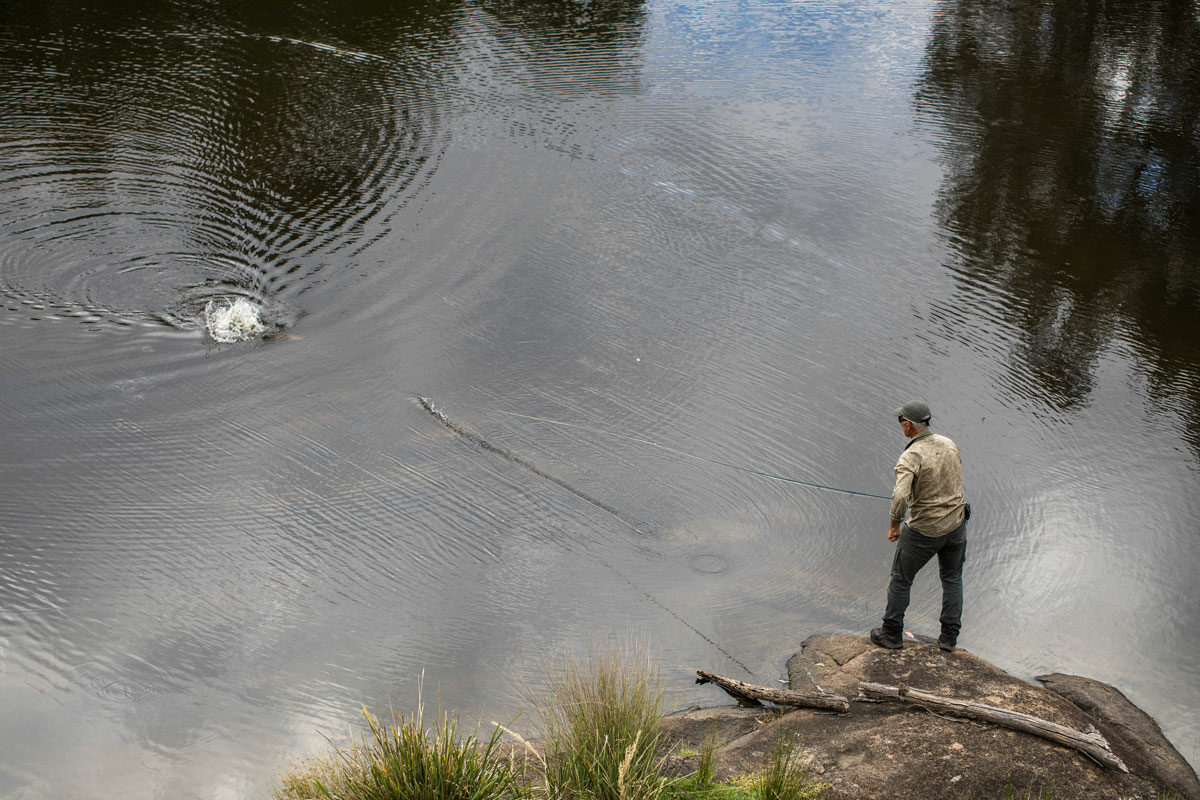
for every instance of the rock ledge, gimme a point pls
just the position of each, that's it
(891, 750)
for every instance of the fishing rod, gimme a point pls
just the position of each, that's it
(677, 451)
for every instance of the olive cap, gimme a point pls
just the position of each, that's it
(914, 411)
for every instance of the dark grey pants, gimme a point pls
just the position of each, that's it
(914, 552)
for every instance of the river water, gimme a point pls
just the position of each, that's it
(744, 231)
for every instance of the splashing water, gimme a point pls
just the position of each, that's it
(233, 320)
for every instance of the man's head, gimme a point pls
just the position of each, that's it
(914, 417)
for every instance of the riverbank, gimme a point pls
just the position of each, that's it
(604, 737)
(896, 750)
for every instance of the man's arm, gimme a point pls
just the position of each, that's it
(901, 496)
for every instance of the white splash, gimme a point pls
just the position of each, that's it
(233, 320)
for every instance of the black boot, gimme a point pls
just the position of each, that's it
(888, 640)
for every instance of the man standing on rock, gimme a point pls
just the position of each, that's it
(929, 490)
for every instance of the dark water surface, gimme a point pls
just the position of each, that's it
(746, 230)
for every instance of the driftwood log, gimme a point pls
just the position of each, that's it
(748, 694)
(1089, 742)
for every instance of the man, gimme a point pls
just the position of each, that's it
(929, 490)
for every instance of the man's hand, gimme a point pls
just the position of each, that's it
(894, 531)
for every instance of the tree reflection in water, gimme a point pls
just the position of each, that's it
(1070, 136)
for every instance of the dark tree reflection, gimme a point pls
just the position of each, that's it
(272, 135)
(1071, 137)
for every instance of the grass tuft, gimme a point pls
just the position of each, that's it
(602, 721)
(405, 761)
(707, 765)
(688, 789)
(602, 726)
(787, 776)
(306, 779)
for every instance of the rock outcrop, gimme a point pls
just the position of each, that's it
(895, 750)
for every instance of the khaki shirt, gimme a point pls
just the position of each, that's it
(929, 485)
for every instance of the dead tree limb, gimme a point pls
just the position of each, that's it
(748, 694)
(1089, 742)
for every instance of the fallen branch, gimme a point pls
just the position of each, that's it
(1089, 742)
(748, 694)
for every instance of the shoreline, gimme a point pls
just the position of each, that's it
(890, 749)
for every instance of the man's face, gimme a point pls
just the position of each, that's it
(906, 426)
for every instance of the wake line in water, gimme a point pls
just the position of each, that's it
(484, 444)
(479, 441)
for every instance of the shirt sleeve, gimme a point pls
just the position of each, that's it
(902, 494)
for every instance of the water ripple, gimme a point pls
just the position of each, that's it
(135, 194)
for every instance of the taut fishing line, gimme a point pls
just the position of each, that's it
(484, 444)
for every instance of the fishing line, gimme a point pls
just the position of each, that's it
(484, 444)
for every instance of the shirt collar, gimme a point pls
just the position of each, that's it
(913, 440)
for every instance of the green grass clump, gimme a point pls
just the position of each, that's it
(707, 765)
(602, 722)
(690, 788)
(787, 777)
(308, 779)
(602, 727)
(405, 761)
